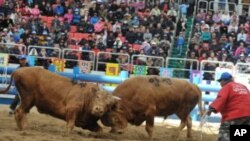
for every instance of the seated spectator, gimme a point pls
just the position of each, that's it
(94, 19)
(240, 50)
(233, 27)
(48, 10)
(206, 35)
(44, 30)
(155, 11)
(59, 10)
(217, 17)
(35, 11)
(225, 18)
(242, 36)
(68, 16)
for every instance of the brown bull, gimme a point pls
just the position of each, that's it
(78, 105)
(144, 97)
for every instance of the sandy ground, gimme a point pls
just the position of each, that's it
(46, 128)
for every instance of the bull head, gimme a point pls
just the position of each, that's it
(103, 101)
(115, 119)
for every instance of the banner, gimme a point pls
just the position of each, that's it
(140, 70)
(85, 66)
(166, 72)
(112, 69)
(31, 60)
(59, 64)
(196, 76)
(4, 58)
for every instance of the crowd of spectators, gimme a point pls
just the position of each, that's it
(219, 36)
(129, 27)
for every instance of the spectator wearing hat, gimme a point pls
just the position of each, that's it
(233, 104)
(22, 63)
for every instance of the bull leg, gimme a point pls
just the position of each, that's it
(150, 121)
(27, 102)
(70, 119)
(189, 127)
(20, 118)
(182, 125)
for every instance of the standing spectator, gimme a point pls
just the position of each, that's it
(180, 43)
(183, 10)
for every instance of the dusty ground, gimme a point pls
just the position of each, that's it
(45, 128)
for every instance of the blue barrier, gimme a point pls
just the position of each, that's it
(76, 75)
(4, 80)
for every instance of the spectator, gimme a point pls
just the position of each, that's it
(183, 9)
(22, 63)
(180, 43)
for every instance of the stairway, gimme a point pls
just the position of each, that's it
(180, 64)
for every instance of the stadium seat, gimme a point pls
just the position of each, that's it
(44, 18)
(136, 47)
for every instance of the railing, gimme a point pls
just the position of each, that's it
(208, 66)
(44, 52)
(225, 6)
(107, 57)
(201, 3)
(242, 68)
(80, 55)
(241, 5)
(156, 62)
(194, 65)
(13, 49)
(242, 73)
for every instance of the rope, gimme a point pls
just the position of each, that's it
(203, 122)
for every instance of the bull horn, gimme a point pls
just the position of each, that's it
(116, 98)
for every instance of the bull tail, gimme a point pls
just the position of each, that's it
(200, 101)
(7, 89)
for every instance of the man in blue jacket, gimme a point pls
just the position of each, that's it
(23, 63)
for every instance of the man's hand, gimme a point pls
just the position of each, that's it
(210, 110)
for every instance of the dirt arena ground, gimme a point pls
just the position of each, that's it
(46, 128)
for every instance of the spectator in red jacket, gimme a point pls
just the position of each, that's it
(233, 102)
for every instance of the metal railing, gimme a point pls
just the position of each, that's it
(13, 49)
(79, 55)
(108, 57)
(210, 66)
(225, 6)
(156, 61)
(44, 52)
(200, 3)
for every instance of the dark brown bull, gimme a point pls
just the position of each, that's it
(78, 105)
(144, 97)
